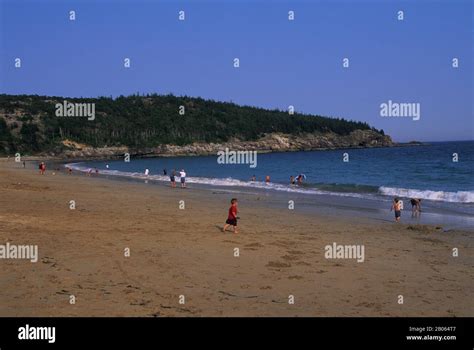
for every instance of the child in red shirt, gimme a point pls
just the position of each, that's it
(232, 218)
(42, 168)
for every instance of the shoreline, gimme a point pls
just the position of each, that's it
(183, 252)
(451, 215)
(374, 206)
(330, 204)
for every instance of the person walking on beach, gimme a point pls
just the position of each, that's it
(182, 174)
(232, 216)
(173, 178)
(147, 172)
(396, 206)
(165, 172)
(267, 179)
(24, 164)
(415, 206)
(42, 168)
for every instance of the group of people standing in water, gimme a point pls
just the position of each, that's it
(397, 207)
(173, 175)
(298, 180)
(294, 180)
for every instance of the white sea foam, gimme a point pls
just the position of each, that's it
(225, 182)
(453, 197)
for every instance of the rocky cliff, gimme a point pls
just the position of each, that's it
(275, 142)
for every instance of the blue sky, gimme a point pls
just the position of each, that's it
(281, 62)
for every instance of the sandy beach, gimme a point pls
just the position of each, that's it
(182, 252)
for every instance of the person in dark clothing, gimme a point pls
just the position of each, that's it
(415, 206)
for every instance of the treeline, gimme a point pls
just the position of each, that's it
(28, 123)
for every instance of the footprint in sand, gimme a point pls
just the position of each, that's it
(295, 277)
(295, 252)
(141, 302)
(283, 244)
(253, 245)
(277, 264)
(289, 257)
(63, 291)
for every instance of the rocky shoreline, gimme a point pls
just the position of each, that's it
(275, 142)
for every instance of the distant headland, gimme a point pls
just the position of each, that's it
(166, 125)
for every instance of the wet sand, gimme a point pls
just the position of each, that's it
(182, 252)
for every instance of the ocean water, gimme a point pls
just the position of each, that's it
(425, 171)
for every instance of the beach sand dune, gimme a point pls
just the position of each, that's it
(176, 253)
